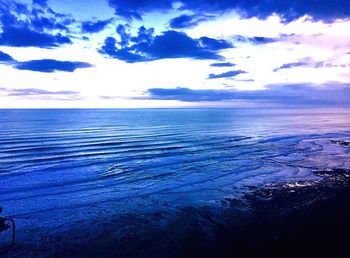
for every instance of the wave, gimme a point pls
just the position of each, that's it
(44, 166)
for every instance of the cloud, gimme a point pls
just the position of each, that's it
(183, 21)
(125, 37)
(50, 65)
(134, 9)
(226, 74)
(5, 57)
(291, 10)
(187, 21)
(290, 65)
(170, 44)
(41, 23)
(109, 48)
(42, 3)
(331, 93)
(35, 30)
(226, 64)
(262, 40)
(254, 40)
(43, 65)
(23, 37)
(189, 95)
(288, 10)
(94, 26)
(215, 44)
(109, 97)
(309, 62)
(40, 94)
(33, 91)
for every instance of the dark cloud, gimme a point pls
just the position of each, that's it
(134, 9)
(254, 40)
(24, 37)
(41, 23)
(43, 65)
(144, 35)
(42, 3)
(189, 95)
(124, 54)
(35, 30)
(262, 40)
(170, 44)
(124, 36)
(214, 44)
(183, 21)
(5, 57)
(226, 64)
(288, 10)
(226, 74)
(332, 93)
(50, 65)
(94, 26)
(290, 65)
(187, 21)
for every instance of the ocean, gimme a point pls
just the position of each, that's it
(59, 166)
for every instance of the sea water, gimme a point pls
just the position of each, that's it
(127, 160)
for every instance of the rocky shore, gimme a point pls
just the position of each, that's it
(300, 219)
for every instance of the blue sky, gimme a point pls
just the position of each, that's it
(167, 53)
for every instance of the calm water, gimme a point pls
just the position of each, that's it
(136, 159)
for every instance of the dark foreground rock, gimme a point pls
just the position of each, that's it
(304, 219)
(341, 142)
(300, 219)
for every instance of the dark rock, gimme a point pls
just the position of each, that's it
(340, 142)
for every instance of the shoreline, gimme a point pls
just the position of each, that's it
(304, 219)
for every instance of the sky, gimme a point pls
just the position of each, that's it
(170, 53)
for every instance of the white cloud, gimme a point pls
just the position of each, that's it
(111, 77)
